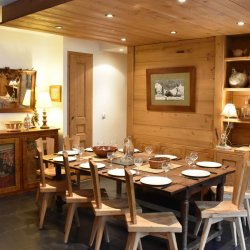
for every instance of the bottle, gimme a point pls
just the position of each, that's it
(128, 149)
(27, 122)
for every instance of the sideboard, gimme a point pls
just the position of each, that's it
(17, 159)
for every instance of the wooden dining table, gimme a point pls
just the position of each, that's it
(181, 188)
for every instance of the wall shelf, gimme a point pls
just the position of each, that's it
(235, 120)
(237, 89)
(237, 59)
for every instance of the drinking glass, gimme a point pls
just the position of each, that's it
(194, 157)
(188, 160)
(138, 162)
(81, 151)
(166, 165)
(148, 150)
(111, 156)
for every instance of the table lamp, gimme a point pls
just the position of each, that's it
(229, 111)
(44, 101)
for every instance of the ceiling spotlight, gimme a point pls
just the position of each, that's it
(109, 15)
(182, 1)
(58, 27)
(240, 23)
(123, 39)
(121, 49)
(173, 32)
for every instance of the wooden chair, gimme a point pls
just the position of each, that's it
(216, 211)
(68, 144)
(103, 209)
(163, 224)
(75, 198)
(47, 188)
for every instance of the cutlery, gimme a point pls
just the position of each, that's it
(225, 167)
(212, 172)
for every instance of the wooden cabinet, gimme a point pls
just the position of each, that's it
(234, 157)
(17, 152)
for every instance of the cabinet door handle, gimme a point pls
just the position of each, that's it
(72, 118)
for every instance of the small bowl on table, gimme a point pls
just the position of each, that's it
(102, 151)
(13, 126)
(156, 162)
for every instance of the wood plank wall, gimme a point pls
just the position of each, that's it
(168, 131)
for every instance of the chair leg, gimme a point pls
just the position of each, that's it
(77, 218)
(129, 240)
(172, 241)
(234, 233)
(197, 227)
(206, 229)
(44, 205)
(69, 218)
(135, 241)
(139, 245)
(106, 234)
(94, 230)
(240, 233)
(37, 195)
(99, 234)
(248, 212)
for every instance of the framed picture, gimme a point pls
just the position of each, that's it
(171, 89)
(55, 93)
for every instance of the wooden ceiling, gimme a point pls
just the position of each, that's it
(139, 21)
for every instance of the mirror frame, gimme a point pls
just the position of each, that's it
(19, 73)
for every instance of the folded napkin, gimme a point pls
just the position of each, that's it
(147, 168)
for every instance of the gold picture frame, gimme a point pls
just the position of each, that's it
(55, 92)
(171, 89)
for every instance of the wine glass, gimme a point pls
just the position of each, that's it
(166, 165)
(188, 160)
(148, 150)
(194, 157)
(110, 156)
(138, 162)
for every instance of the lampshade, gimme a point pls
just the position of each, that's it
(27, 96)
(229, 110)
(43, 100)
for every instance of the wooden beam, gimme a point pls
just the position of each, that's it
(22, 8)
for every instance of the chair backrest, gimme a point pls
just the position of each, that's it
(96, 183)
(242, 176)
(41, 166)
(70, 142)
(67, 171)
(50, 145)
(131, 195)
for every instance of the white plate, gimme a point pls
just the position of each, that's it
(60, 158)
(195, 173)
(155, 180)
(171, 157)
(208, 164)
(88, 149)
(70, 152)
(135, 150)
(119, 172)
(86, 165)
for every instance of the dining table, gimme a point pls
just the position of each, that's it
(181, 186)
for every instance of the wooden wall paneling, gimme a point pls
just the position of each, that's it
(194, 129)
(130, 90)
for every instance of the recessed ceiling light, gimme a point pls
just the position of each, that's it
(240, 23)
(182, 1)
(173, 32)
(123, 39)
(121, 49)
(109, 15)
(58, 27)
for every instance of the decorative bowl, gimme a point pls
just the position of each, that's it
(102, 151)
(156, 162)
(13, 126)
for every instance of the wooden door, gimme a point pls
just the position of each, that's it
(80, 74)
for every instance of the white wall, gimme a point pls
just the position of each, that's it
(109, 90)
(47, 54)
(40, 51)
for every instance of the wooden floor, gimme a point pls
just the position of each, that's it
(19, 230)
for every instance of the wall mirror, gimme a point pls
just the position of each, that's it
(17, 90)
